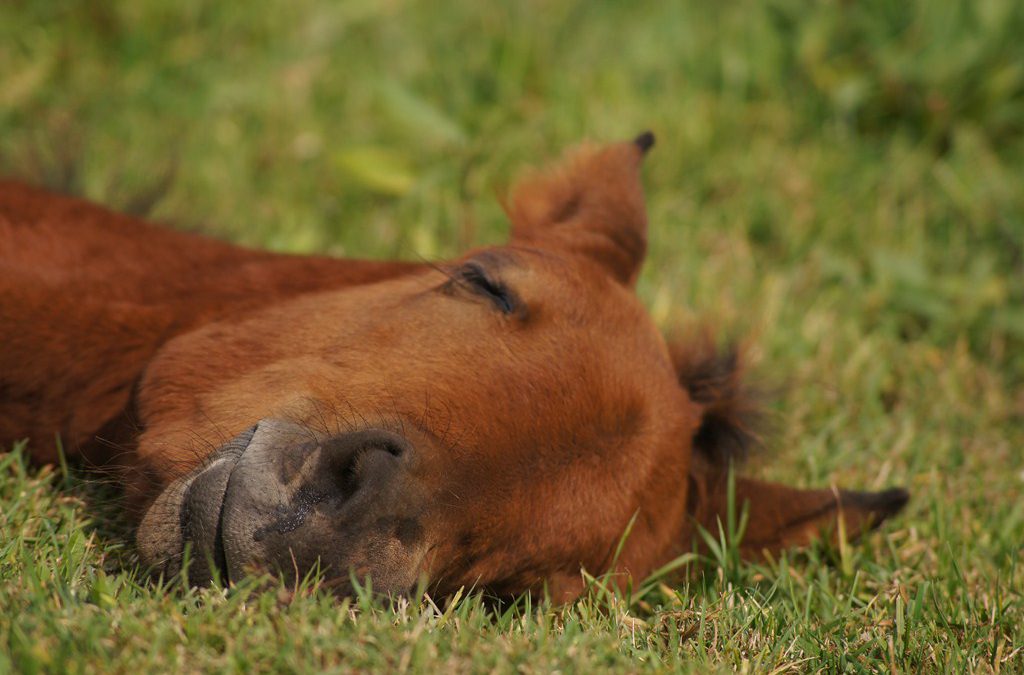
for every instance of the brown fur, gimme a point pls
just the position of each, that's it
(541, 431)
(90, 295)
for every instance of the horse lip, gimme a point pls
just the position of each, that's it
(201, 510)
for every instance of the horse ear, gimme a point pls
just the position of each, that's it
(591, 203)
(780, 517)
(777, 516)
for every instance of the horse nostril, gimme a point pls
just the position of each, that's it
(389, 443)
(359, 457)
(295, 501)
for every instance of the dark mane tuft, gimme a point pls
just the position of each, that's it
(733, 418)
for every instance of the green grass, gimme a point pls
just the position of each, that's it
(840, 182)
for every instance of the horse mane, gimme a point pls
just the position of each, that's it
(733, 417)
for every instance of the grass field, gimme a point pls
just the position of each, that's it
(840, 182)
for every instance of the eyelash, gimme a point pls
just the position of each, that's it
(474, 279)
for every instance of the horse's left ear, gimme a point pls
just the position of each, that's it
(592, 203)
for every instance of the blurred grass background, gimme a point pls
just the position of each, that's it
(840, 181)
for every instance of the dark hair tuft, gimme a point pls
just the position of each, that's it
(733, 418)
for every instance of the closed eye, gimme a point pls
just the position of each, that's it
(476, 280)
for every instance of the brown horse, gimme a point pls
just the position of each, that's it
(498, 421)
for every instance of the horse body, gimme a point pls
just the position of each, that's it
(496, 421)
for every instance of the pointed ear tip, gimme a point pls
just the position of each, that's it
(894, 499)
(886, 503)
(645, 141)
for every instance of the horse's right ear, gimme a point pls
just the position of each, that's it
(780, 517)
(592, 203)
